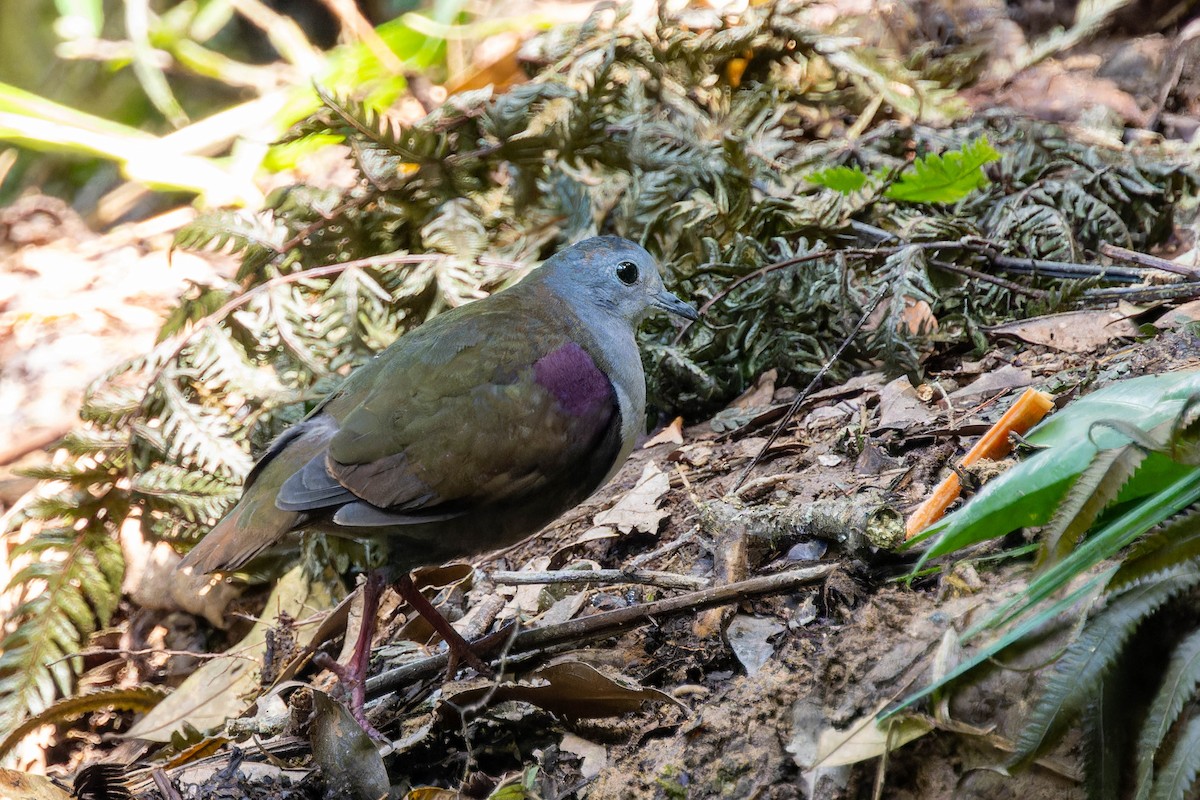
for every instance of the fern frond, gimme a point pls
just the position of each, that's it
(1173, 546)
(1096, 487)
(257, 237)
(1177, 689)
(200, 434)
(1178, 774)
(138, 699)
(65, 600)
(1076, 675)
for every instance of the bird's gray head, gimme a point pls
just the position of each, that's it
(615, 276)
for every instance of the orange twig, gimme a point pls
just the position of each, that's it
(1026, 412)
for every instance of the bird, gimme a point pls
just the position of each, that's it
(467, 434)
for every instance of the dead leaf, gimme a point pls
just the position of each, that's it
(638, 509)
(218, 690)
(1180, 315)
(917, 317)
(990, 384)
(672, 434)
(901, 408)
(593, 755)
(760, 394)
(570, 689)
(1073, 331)
(25, 786)
(564, 609)
(865, 739)
(750, 639)
(349, 760)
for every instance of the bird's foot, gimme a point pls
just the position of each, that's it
(352, 676)
(461, 651)
(353, 690)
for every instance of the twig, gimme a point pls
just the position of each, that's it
(669, 547)
(1147, 260)
(650, 577)
(164, 785)
(1064, 269)
(611, 622)
(1016, 288)
(1134, 294)
(813, 384)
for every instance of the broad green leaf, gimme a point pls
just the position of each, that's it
(1110, 539)
(1027, 494)
(946, 178)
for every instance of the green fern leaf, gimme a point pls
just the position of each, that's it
(1171, 547)
(1075, 676)
(137, 699)
(846, 180)
(1105, 724)
(82, 588)
(1179, 772)
(1177, 689)
(946, 178)
(1096, 487)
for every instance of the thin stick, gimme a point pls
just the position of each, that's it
(813, 384)
(649, 577)
(1147, 260)
(611, 622)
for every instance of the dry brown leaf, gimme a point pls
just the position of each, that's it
(593, 754)
(350, 764)
(672, 434)
(760, 394)
(638, 509)
(865, 739)
(750, 640)
(990, 384)
(570, 689)
(901, 408)
(24, 786)
(218, 690)
(1073, 331)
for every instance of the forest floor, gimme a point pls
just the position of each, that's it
(768, 696)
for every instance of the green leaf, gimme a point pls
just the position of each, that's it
(1076, 675)
(841, 178)
(1178, 688)
(946, 178)
(1179, 772)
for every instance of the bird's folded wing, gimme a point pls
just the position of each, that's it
(445, 426)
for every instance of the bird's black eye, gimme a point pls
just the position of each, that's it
(627, 272)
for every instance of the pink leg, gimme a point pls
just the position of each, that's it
(460, 649)
(354, 674)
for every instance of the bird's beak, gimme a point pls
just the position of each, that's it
(673, 305)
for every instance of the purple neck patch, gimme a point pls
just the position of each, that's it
(572, 377)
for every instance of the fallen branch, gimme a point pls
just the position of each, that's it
(650, 577)
(611, 622)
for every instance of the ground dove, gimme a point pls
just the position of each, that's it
(467, 434)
